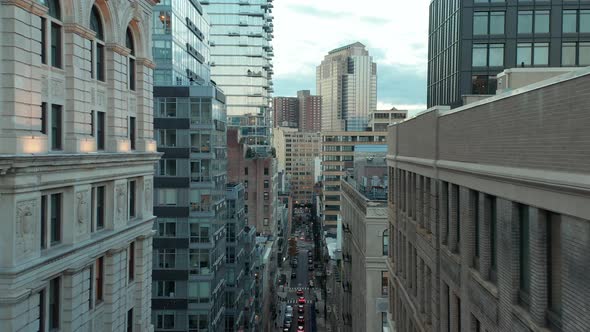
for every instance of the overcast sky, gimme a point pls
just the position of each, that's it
(395, 33)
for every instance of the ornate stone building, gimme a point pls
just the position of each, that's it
(76, 164)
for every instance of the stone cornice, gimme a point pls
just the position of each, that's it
(31, 6)
(18, 271)
(146, 63)
(122, 50)
(146, 236)
(80, 30)
(23, 162)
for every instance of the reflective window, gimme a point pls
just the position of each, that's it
(584, 20)
(542, 21)
(532, 54)
(584, 54)
(568, 54)
(525, 21)
(523, 54)
(488, 55)
(480, 23)
(479, 55)
(496, 55)
(569, 21)
(541, 54)
(496, 23)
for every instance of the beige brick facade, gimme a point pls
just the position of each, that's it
(489, 213)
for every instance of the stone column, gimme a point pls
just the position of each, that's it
(420, 200)
(444, 205)
(485, 245)
(538, 264)
(453, 215)
(454, 313)
(77, 109)
(421, 288)
(143, 285)
(144, 94)
(444, 308)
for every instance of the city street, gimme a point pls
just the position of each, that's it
(287, 293)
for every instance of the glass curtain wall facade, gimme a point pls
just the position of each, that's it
(241, 53)
(188, 292)
(189, 201)
(471, 41)
(180, 43)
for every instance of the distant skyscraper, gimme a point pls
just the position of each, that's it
(310, 111)
(303, 111)
(347, 81)
(472, 41)
(285, 112)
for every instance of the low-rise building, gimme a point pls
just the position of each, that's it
(380, 119)
(490, 211)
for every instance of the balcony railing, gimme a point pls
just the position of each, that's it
(199, 177)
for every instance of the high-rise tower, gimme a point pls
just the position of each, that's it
(347, 81)
(190, 182)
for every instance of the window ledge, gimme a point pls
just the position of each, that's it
(487, 285)
(522, 315)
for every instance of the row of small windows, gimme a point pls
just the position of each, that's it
(529, 21)
(54, 42)
(481, 217)
(527, 54)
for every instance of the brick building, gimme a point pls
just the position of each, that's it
(489, 212)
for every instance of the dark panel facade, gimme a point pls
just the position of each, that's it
(471, 41)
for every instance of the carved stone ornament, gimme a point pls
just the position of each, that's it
(121, 196)
(25, 232)
(82, 206)
(148, 195)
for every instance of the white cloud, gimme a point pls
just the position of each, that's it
(306, 30)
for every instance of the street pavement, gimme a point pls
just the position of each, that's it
(287, 293)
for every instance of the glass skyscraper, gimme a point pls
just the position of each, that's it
(189, 277)
(241, 54)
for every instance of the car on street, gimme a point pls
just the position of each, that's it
(310, 261)
(293, 275)
(301, 300)
(289, 311)
(288, 322)
(311, 284)
(299, 292)
(301, 321)
(300, 309)
(300, 329)
(310, 268)
(309, 253)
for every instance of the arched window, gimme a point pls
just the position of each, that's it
(54, 39)
(385, 242)
(131, 65)
(97, 69)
